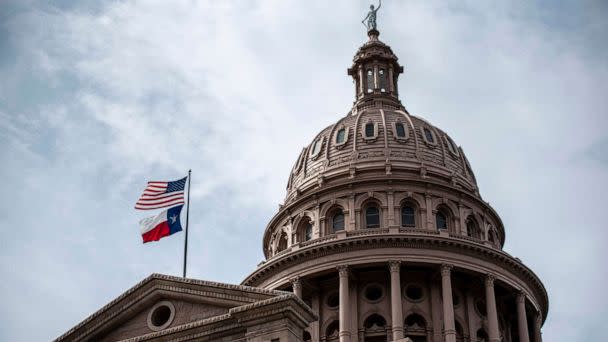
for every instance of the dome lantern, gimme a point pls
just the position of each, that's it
(375, 72)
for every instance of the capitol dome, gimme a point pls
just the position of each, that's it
(384, 234)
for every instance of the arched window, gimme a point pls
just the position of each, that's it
(372, 217)
(473, 229)
(331, 333)
(282, 242)
(304, 231)
(306, 336)
(482, 336)
(369, 130)
(400, 130)
(337, 221)
(375, 328)
(370, 80)
(382, 77)
(308, 231)
(441, 220)
(408, 216)
(415, 328)
(428, 135)
(340, 136)
(492, 236)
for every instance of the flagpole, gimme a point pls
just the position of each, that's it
(187, 214)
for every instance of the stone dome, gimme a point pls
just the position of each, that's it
(379, 134)
(399, 141)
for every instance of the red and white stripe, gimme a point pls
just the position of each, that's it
(155, 196)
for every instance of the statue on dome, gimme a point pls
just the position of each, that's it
(371, 17)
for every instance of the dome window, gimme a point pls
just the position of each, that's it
(408, 216)
(370, 81)
(337, 222)
(372, 217)
(429, 136)
(400, 131)
(300, 161)
(341, 137)
(441, 220)
(382, 77)
(316, 148)
(370, 131)
(451, 145)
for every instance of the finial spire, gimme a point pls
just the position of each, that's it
(371, 18)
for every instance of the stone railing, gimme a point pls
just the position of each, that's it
(468, 238)
(418, 231)
(318, 241)
(368, 231)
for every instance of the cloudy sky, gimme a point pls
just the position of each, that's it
(98, 97)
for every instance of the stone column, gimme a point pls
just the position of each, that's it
(344, 312)
(493, 332)
(296, 284)
(538, 321)
(361, 81)
(396, 306)
(522, 322)
(448, 304)
(376, 83)
(314, 326)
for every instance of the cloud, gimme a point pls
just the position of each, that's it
(100, 96)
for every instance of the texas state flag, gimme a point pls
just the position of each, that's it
(154, 228)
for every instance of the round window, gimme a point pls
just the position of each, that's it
(333, 300)
(373, 293)
(414, 292)
(161, 315)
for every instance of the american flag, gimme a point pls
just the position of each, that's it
(162, 195)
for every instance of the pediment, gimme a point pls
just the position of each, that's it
(148, 305)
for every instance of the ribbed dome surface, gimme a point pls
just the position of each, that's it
(422, 149)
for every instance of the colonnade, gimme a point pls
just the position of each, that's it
(449, 331)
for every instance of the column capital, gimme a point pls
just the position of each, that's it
(394, 265)
(489, 281)
(342, 270)
(296, 281)
(521, 297)
(446, 269)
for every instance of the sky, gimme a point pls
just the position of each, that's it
(98, 97)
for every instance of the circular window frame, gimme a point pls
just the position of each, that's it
(169, 320)
(379, 286)
(326, 301)
(412, 300)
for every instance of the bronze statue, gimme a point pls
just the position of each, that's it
(371, 17)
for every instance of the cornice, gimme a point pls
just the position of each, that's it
(419, 241)
(145, 291)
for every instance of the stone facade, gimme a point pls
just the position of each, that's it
(383, 236)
